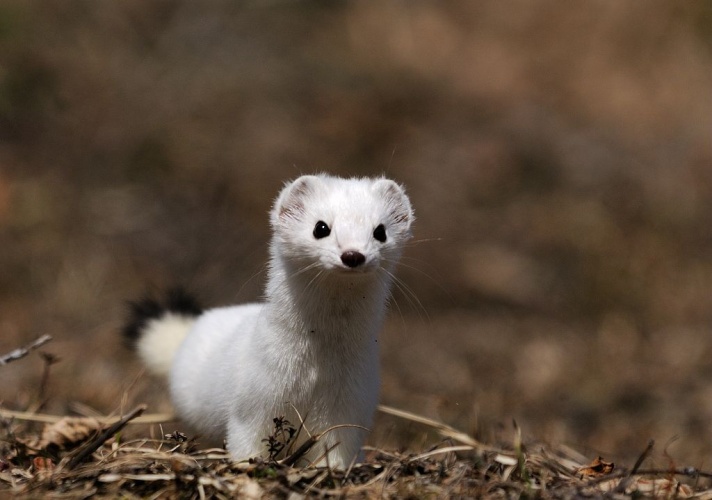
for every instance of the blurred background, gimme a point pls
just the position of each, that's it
(558, 155)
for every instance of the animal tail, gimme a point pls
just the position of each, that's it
(156, 329)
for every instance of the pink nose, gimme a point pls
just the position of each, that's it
(352, 258)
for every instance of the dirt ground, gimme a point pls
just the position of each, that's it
(558, 156)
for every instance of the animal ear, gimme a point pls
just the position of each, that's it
(290, 202)
(398, 205)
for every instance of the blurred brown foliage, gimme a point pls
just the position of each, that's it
(557, 153)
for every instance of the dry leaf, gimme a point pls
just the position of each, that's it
(597, 468)
(42, 464)
(68, 432)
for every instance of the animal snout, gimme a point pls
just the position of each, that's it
(352, 258)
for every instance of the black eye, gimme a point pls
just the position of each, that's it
(321, 230)
(380, 233)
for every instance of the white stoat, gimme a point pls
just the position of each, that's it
(312, 345)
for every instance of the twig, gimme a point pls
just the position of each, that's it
(309, 443)
(21, 352)
(642, 457)
(302, 426)
(100, 439)
(626, 480)
(49, 360)
(687, 472)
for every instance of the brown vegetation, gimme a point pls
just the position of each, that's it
(79, 457)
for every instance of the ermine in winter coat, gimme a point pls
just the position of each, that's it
(312, 346)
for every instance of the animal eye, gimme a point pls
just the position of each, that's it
(380, 233)
(321, 230)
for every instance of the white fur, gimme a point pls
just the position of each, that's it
(160, 339)
(312, 346)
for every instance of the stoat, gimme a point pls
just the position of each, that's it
(312, 346)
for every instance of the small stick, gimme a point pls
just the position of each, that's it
(626, 480)
(642, 457)
(302, 425)
(101, 438)
(49, 360)
(21, 352)
(307, 445)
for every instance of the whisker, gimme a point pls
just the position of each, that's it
(262, 269)
(409, 294)
(311, 291)
(282, 285)
(304, 269)
(421, 272)
(385, 281)
(414, 242)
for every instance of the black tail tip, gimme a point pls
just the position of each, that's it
(177, 300)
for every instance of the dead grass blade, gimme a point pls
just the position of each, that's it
(153, 418)
(441, 428)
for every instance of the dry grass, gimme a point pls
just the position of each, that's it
(81, 457)
(76, 458)
(98, 463)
